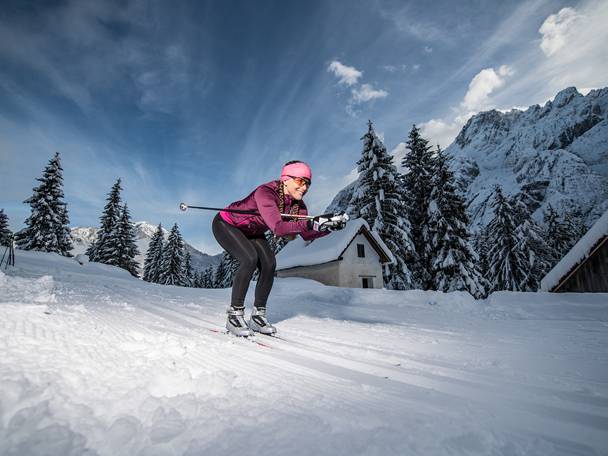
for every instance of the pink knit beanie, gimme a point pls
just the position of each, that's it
(298, 169)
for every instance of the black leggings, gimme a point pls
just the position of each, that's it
(251, 253)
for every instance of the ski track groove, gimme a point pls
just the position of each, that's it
(283, 356)
(209, 360)
(254, 370)
(542, 411)
(447, 373)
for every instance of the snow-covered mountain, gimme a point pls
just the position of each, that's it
(83, 237)
(556, 153)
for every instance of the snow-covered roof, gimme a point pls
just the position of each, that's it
(578, 253)
(328, 248)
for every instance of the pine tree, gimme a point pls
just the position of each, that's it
(508, 266)
(197, 279)
(220, 273)
(189, 278)
(154, 256)
(276, 243)
(557, 235)
(576, 227)
(376, 199)
(225, 271)
(172, 269)
(533, 245)
(417, 187)
(47, 227)
(103, 248)
(126, 246)
(207, 277)
(454, 264)
(5, 232)
(481, 246)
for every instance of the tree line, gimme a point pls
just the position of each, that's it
(420, 215)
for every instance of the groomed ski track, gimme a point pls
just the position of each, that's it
(125, 367)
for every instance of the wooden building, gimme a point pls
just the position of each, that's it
(585, 267)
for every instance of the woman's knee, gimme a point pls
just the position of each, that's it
(249, 262)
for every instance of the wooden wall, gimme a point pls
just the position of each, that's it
(592, 276)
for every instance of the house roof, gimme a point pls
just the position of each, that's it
(329, 248)
(577, 255)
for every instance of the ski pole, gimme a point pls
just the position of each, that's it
(184, 207)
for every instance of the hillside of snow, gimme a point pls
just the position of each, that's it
(83, 237)
(553, 154)
(97, 362)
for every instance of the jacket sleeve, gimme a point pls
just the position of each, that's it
(268, 206)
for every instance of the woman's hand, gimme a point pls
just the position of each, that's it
(328, 222)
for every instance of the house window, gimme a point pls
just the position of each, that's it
(368, 282)
(360, 250)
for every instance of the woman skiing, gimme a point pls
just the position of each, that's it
(242, 236)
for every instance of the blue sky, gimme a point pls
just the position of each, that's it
(203, 101)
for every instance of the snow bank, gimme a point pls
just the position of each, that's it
(114, 365)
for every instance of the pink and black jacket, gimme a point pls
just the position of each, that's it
(265, 200)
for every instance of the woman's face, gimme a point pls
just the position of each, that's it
(296, 188)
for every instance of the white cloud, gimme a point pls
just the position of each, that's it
(478, 97)
(428, 49)
(557, 29)
(482, 85)
(441, 132)
(360, 93)
(346, 75)
(367, 93)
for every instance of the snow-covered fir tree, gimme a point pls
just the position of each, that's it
(47, 228)
(454, 264)
(508, 264)
(225, 271)
(575, 226)
(126, 246)
(207, 277)
(480, 245)
(189, 278)
(532, 245)
(556, 233)
(377, 199)
(5, 232)
(219, 273)
(172, 265)
(154, 256)
(416, 191)
(197, 281)
(276, 243)
(102, 250)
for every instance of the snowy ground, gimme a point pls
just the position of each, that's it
(96, 362)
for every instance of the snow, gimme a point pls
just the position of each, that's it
(578, 253)
(322, 250)
(95, 361)
(560, 150)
